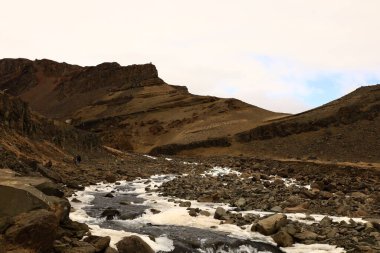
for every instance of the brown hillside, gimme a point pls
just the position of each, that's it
(346, 129)
(28, 140)
(129, 107)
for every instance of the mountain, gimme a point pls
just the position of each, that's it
(74, 111)
(346, 129)
(129, 108)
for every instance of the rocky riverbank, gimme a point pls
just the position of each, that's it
(250, 187)
(292, 188)
(33, 193)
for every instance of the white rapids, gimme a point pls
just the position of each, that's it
(172, 214)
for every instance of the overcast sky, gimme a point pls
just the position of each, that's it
(282, 55)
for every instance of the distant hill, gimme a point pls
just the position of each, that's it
(346, 129)
(130, 107)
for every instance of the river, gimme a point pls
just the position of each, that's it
(166, 226)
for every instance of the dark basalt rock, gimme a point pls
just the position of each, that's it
(110, 213)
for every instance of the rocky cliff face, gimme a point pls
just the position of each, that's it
(16, 75)
(15, 114)
(128, 107)
(110, 75)
(19, 75)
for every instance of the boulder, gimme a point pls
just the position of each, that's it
(74, 185)
(326, 221)
(185, 204)
(110, 250)
(283, 239)
(77, 228)
(33, 230)
(133, 244)
(204, 213)
(155, 211)
(271, 224)
(305, 235)
(110, 178)
(109, 195)
(240, 202)
(124, 216)
(61, 208)
(110, 213)
(19, 199)
(100, 243)
(302, 208)
(21, 196)
(50, 189)
(220, 214)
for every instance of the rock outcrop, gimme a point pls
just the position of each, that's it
(15, 114)
(21, 195)
(34, 230)
(34, 218)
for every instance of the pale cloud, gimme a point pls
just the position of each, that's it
(276, 54)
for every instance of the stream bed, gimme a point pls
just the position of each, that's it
(137, 208)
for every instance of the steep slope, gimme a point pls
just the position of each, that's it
(346, 129)
(130, 107)
(27, 141)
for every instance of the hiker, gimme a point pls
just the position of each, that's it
(77, 159)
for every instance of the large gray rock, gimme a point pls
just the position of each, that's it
(133, 244)
(19, 195)
(271, 224)
(19, 198)
(220, 214)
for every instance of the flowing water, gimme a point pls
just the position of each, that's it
(165, 226)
